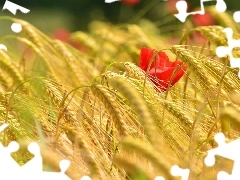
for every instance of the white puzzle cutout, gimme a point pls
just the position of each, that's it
(2, 46)
(12, 7)
(111, 1)
(181, 6)
(177, 171)
(222, 51)
(236, 16)
(9, 168)
(159, 178)
(228, 150)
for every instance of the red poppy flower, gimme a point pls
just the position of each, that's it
(205, 19)
(161, 70)
(130, 2)
(61, 34)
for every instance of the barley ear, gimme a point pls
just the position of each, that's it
(138, 104)
(107, 98)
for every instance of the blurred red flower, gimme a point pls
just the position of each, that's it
(203, 20)
(64, 35)
(161, 69)
(61, 34)
(130, 2)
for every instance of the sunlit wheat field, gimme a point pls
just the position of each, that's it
(97, 108)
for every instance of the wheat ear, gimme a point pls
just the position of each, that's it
(107, 98)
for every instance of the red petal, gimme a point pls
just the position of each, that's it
(178, 75)
(162, 60)
(164, 75)
(161, 69)
(145, 57)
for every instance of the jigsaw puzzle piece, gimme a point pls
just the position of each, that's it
(181, 6)
(7, 164)
(221, 6)
(87, 178)
(236, 16)
(227, 150)
(12, 7)
(159, 178)
(35, 164)
(222, 51)
(224, 176)
(111, 1)
(5, 125)
(177, 171)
